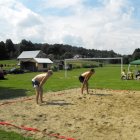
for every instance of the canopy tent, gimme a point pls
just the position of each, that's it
(135, 62)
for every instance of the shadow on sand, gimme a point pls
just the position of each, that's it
(100, 94)
(58, 102)
(9, 93)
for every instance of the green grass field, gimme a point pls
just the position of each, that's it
(18, 85)
(11, 136)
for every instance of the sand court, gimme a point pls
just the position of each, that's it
(103, 114)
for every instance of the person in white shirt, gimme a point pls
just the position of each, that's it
(123, 75)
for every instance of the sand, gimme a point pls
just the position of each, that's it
(101, 115)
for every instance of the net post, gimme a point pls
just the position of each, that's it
(121, 64)
(65, 68)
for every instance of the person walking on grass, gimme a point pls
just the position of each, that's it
(84, 77)
(38, 81)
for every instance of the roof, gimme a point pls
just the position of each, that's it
(135, 62)
(29, 54)
(43, 60)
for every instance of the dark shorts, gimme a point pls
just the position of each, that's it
(81, 79)
(35, 84)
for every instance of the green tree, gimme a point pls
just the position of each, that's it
(67, 55)
(3, 54)
(10, 48)
(126, 59)
(136, 54)
(26, 46)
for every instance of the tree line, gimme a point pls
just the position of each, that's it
(9, 50)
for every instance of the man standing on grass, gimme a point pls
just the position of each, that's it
(38, 81)
(83, 78)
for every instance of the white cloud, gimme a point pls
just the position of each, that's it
(60, 3)
(103, 27)
(108, 27)
(18, 21)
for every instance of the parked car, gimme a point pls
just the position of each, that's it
(16, 71)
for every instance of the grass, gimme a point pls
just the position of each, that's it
(18, 85)
(8, 64)
(11, 62)
(4, 135)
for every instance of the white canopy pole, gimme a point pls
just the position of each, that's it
(129, 67)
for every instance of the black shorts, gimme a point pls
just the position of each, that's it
(35, 84)
(81, 79)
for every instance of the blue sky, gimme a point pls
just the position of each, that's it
(92, 24)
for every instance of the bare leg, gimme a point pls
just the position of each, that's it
(41, 95)
(82, 88)
(87, 87)
(37, 95)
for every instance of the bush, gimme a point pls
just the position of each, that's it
(89, 66)
(100, 65)
(54, 68)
